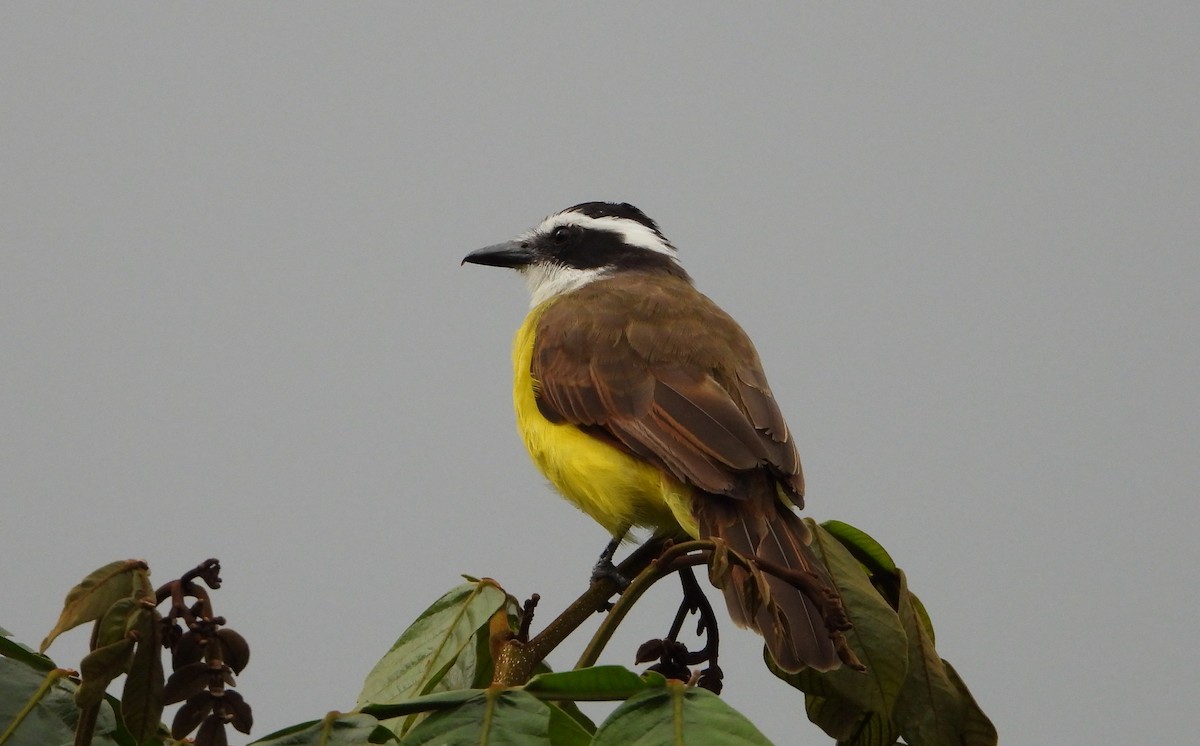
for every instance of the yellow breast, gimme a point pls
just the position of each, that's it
(616, 489)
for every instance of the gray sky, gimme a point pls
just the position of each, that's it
(233, 321)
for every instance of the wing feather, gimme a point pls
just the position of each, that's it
(686, 390)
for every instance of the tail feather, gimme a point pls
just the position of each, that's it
(792, 624)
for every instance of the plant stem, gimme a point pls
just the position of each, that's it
(517, 660)
(669, 562)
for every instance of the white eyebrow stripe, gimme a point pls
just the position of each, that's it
(632, 232)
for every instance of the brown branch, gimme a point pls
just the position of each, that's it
(517, 659)
(649, 563)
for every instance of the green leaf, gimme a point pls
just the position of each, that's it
(142, 699)
(977, 729)
(923, 615)
(426, 649)
(567, 730)
(93, 596)
(23, 653)
(849, 724)
(431, 647)
(100, 667)
(571, 710)
(875, 560)
(598, 683)
(116, 621)
(930, 710)
(865, 549)
(38, 708)
(877, 638)
(496, 717)
(677, 714)
(565, 705)
(428, 703)
(336, 729)
(473, 669)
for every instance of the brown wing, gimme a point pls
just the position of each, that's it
(650, 364)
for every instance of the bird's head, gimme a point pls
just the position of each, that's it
(582, 244)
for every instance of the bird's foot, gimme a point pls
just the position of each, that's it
(674, 657)
(604, 568)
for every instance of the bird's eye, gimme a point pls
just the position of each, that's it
(561, 234)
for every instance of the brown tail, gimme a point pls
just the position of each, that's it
(760, 525)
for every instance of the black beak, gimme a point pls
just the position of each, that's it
(510, 254)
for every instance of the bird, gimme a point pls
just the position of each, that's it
(645, 405)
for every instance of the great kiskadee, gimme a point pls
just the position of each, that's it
(646, 405)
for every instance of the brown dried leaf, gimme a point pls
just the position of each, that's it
(212, 732)
(234, 649)
(243, 719)
(188, 650)
(186, 682)
(189, 716)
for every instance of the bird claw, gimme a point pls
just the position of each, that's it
(604, 568)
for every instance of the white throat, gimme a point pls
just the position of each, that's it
(546, 280)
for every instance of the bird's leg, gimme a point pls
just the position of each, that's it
(604, 568)
(694, 600)
(673, 656)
